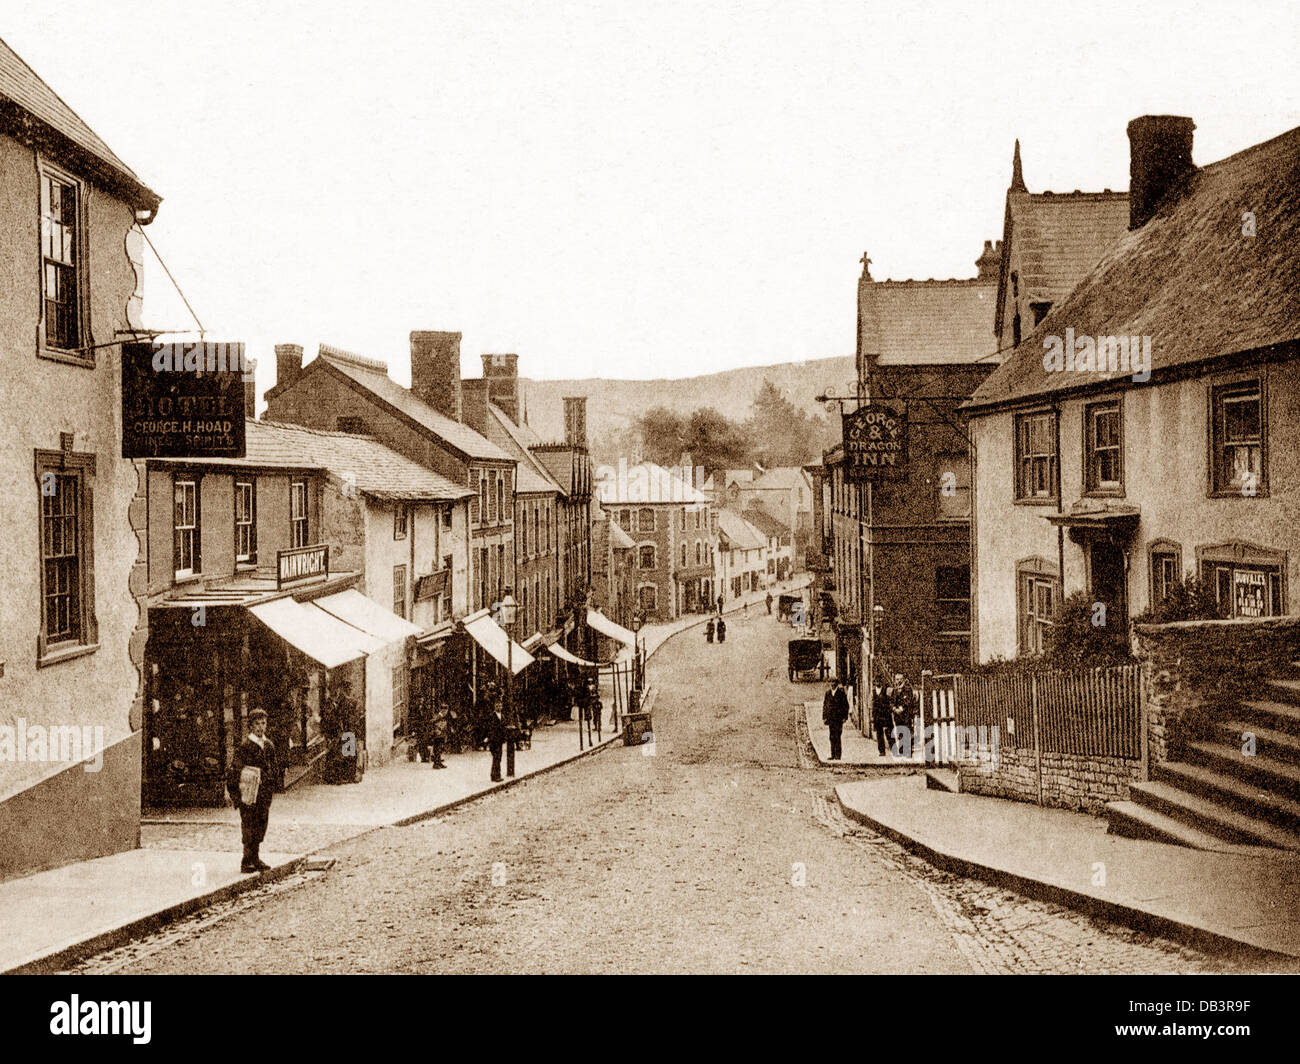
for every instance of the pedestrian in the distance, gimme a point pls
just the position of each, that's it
(438, 731)
(251, 785)
(835, 711)
(709, 630)
(494, 728)
(722, 630)
(719, 604)
(769, 604)
(903, 701)
(882, 716)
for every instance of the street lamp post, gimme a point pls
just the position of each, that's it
(506, 610)
(638, 664)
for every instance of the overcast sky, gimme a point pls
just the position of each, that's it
(635, 189)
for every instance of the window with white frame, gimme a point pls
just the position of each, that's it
(185, 529)
(245, 522)
(298, 520)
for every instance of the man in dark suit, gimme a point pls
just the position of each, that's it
(494, 726)
(882, 717)
(835, 711)
(255, 752)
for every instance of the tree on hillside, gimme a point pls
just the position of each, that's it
(782, 434)
(662, 433)
(715, 441)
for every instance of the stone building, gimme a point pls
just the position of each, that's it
(72, 620)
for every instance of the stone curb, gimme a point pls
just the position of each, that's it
(63, 957)
(1129, 915)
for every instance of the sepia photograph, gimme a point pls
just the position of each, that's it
(676, 488)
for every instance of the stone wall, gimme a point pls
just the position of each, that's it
(1070, 781)
(1195, 672)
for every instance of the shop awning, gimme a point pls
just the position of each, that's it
(564, 654)
(319, 635)
(602, 624)
(360, 612)
(492, 638)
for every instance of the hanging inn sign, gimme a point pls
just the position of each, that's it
(875, 442)
(183, 400)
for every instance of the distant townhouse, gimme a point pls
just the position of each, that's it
(305, 569)
(613, 568)
(342, 391)
(742, 556)
(784, 492)
(72, 619)
(1144, 430)
(779, 541)
(553, 501)
(674, 528)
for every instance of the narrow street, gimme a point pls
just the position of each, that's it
(718, 849)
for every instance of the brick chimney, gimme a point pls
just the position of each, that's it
(989, 263)
(1160, 156)
(250, 389)
(474, 404)
(435, 371)
(575, 420)
(288, 363)
(502, 373)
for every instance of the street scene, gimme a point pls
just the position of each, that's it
(721, 489)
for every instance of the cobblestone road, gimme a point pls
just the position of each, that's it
(719, 849)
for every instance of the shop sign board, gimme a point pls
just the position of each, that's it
(301, 564)
(183, 400)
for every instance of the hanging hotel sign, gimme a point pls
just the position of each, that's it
(183, 400)
(875, 442)
(300, 564)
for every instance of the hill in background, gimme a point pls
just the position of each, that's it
(613, 405)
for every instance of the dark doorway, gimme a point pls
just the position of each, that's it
(1108, 584)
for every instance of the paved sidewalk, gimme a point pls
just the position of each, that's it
(53, 918)
(858, 750)
(1209, 899)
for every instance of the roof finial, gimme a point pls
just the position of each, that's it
(866, 266)
(1017, 175)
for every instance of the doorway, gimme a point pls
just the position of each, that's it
(1108, 584)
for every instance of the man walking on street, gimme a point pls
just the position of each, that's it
(251, 785)
(769, 604)
(882, 716)
(722, 630)
(708, 631)
(494, 728)
(835, 711)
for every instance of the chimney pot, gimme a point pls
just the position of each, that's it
(288, 362)
(1160, 156)
(435, 370)
(575, 420)
(250, 390)
(502, 373)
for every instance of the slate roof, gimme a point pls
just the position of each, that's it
(741, 534)
(784, 478)
(376, 470)
(765, 522)
(1058, 238)
(531, 476)
(908, 323)
(24, 89)
(1188, 278)
(373, 376)
(647, 484)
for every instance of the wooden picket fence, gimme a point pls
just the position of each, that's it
(1093, 712)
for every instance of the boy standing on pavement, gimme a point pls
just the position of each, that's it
(251, 787)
